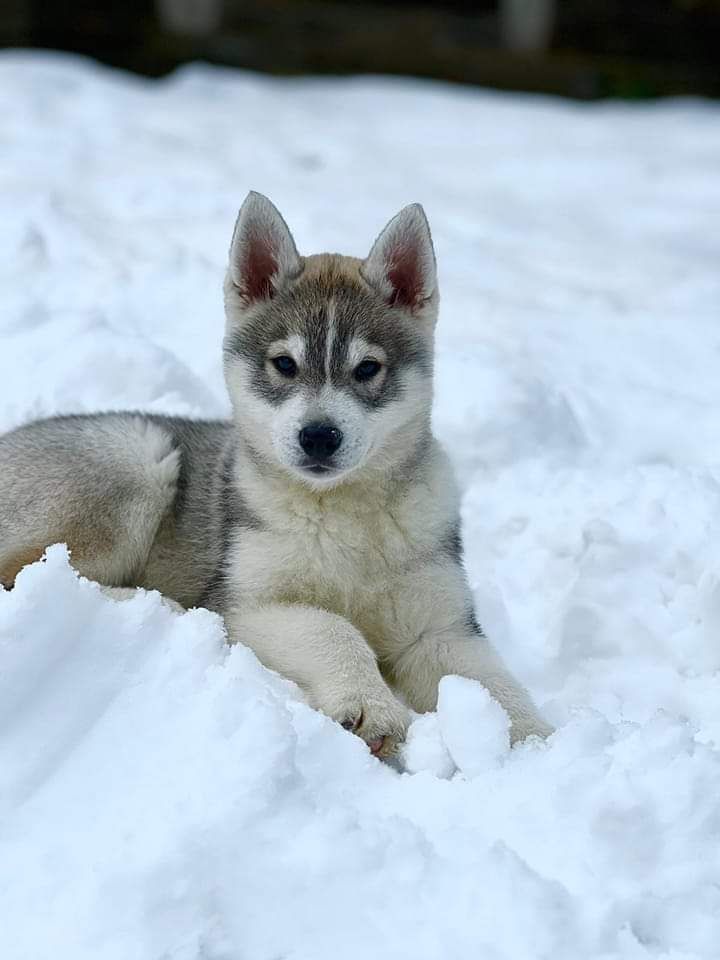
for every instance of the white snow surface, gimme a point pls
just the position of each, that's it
(164, 797)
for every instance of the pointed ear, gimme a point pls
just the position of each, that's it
(262, 252)
(401, 264)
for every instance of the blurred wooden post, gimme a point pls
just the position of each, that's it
(526, 26)
(195, 18)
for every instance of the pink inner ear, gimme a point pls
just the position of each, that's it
(405, 276)
(259, 266)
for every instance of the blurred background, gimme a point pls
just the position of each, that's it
(585, 49)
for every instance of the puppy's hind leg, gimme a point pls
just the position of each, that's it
(101, 485)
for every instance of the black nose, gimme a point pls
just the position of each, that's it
(320, 440)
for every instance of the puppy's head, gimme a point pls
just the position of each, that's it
(328, 359)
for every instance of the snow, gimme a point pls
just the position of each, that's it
(162, 796)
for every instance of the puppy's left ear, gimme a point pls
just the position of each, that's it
(401, 264)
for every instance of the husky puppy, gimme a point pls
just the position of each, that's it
(322, 520)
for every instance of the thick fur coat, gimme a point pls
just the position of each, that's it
(322, 520)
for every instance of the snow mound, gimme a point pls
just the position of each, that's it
(164, 796)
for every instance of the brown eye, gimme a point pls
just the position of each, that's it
(285, 365)
(367, 370)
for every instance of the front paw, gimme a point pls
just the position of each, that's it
(531, 725)
(370, 710)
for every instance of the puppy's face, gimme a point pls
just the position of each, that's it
(328, 359)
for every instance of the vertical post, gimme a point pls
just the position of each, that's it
(526, 26)
(195, 18)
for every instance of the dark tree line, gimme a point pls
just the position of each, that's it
(582, 48)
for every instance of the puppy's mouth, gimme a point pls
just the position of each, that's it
(319, 469)
(322, 474)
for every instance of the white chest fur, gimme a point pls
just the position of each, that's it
(345, 550)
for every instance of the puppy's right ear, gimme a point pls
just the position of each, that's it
(262, 252)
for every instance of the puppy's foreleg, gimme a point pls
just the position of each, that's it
(442, 638)
(330, 661)
(419, 670)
